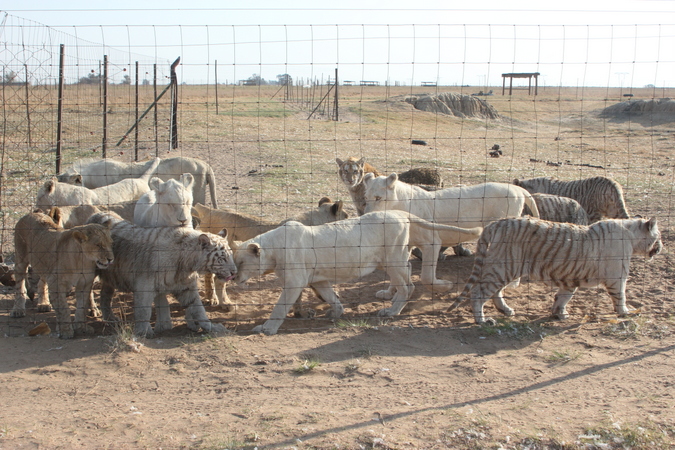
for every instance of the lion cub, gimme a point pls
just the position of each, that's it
(62, 258)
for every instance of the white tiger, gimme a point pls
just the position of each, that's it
(563, 255)
(559, 209)
(320, 255)
(601, 197)
(154, 262)
(166, 203)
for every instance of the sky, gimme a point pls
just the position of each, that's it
(448, 42)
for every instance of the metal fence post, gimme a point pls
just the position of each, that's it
(59, 111)
(104, 143)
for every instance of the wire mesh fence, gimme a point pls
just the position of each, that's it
(270, 108)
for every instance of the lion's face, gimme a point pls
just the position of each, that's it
(96, 244)
(379, 190)
(250, 261)
(174, 201)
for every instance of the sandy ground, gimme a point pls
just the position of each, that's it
(425, 379)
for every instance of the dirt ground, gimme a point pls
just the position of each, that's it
(423, 380)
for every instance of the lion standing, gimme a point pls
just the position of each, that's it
(62, 258)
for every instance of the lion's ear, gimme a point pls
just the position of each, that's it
(254, 249)
(80, 236)
(50, 185)
(391, 180)
(223, 233)
(368, 177)
(154, 183)
(77, 179)
(336, 208)
(55, 214)
(187, 180)
(108, 222)
(324, 200)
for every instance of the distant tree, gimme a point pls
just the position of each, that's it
(126, 80)
(145, 82)
(285, 79)
(649, 86)
(255, 80)
(92, 78)
(9, 77)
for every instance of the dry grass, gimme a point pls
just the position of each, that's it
(271, 160)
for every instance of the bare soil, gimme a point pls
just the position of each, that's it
(424, 379)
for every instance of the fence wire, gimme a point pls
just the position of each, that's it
(270, 108)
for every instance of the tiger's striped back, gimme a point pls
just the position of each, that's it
(559, 209)
(566, 255)
(601, 197)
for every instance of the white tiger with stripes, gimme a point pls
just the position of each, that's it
(601, 197)
(559, 209)
(563, 255)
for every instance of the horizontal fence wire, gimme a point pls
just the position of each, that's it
(270, 109)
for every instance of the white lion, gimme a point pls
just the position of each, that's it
(242, 227)
(166, 203)
(318, 256)
(56, 193)
(98, 173)
(154, 262)
(463, 206)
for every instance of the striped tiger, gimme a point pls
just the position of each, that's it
(351, 173)
(558, 209)
(353, 170)
(601, 197)
(156, 261)
(564, 255)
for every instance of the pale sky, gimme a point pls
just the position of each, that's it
(574, 42)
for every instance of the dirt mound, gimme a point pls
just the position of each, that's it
(459, 105)
(640, 107)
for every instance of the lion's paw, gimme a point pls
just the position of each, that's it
(144, 330)
(66, 331)
(385, 294)
(218, 328)
(460, 250)
(163, 326)
(386, 312)
(212, 301)
(44, 307)
(304, 313)
(18, 313)
(263, 329)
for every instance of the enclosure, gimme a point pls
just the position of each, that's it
(270, 108)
